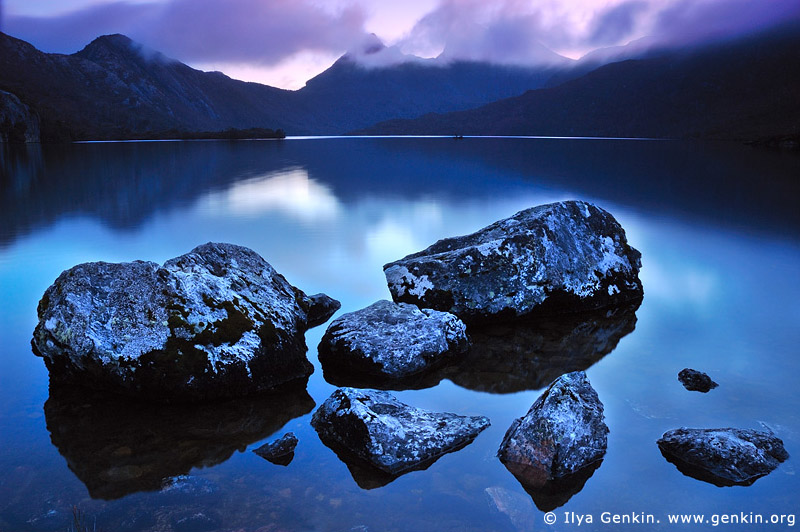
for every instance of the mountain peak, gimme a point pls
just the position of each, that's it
(118, 46)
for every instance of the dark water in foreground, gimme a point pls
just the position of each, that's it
(717, 225)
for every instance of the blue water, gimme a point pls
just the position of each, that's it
(719, 232)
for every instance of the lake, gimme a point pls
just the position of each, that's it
(717, 225)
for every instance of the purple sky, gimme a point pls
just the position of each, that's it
(285, 42)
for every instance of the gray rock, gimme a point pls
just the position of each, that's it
(724, 457)
(389, 435)
(280, 451)
(562, 257)
(391, 340)
(515, 506)
(696, 381)
(562, 433)
(216, 322)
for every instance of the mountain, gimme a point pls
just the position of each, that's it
(742, 89)
(115, 88)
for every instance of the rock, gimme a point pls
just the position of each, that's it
(562, 433)
(723, 457)
(217, 322)
(196, 521)
(18, 123)
(279, 452)
(391, 340)
(696, 381)
(117, 447)
(516, 356)
(390, 436)
(515, 506)
(556, 258)
(321, 308)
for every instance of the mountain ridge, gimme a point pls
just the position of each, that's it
(116, 88)
(738, 90)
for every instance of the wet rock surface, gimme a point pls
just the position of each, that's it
(116, 447)
(280, 451)
(723, 457)
(561, 257)
(562, 433)
(696, 381)
(375, 428)
(213, 323)
(391, 341)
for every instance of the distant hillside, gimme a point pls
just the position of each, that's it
(114, 88)
(736, 90)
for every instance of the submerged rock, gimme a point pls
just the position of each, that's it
(561, 257)
(117, 447)
(696, 381)
(216, 322)
(279, 452)
(391, 436)
(562, 433)
(723, 457)
(391, 340)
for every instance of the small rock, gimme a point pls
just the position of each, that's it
(696, 381)
(279, 452)
(723, 457)
(562, 257)
(216, 322)
(196, 522)
(389, 435)
(515, 506)
(320, 309)
(391, 340)
(562, 433)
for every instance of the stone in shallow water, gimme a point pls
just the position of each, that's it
(391, 436)
(216, 322)
(696, 381)
(724, 457)
(391, 340)
(280, 451)
(561, 257)
(562, 433)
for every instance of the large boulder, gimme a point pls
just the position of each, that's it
(562, 257)
(377, 429)
(724, 457)
(391, 341)
(563, 433)
(216, 322)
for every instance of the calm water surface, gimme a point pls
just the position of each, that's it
(717, 225)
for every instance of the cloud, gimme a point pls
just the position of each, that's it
(254, 31)
(504, 31)
(617, 23)
(692, 21)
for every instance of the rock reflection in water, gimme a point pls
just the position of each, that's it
(548, 495)
(518, 356)
(118, 447)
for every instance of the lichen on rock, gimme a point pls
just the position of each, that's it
(562, 433)
(392, 340)
(393, 437)
(562, 257)
(218, 321)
